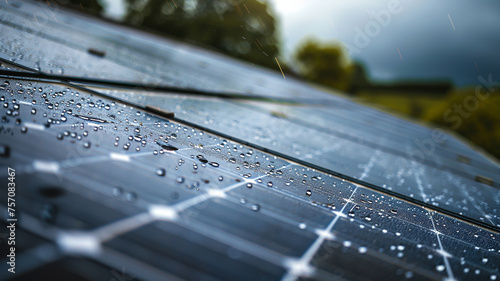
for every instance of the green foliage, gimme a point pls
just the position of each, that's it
(92, 7)
(244, 29)
(478, 122)
(325, 64)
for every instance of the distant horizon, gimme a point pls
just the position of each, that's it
(446, 44)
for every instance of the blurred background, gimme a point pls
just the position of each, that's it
(437, 62)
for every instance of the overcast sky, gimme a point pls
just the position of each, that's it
(396, 39)
(436, 39)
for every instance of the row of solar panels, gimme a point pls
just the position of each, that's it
(285, 182)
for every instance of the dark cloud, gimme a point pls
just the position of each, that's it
(421, 29)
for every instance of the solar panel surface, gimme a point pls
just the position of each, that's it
(297, 184)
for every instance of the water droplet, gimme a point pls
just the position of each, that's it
(24, 129)
(221, 178)
(249, 185)
(270, 184)
(180, 180)
(201, 158)
(362, 250)
(440, 267)
(255, 207)
(131, 197)
(302, 225)
(308, 193)
(166, 146)
(214, 164)
(86, 144)
(161, 172)
(117, 191)
(194, 185)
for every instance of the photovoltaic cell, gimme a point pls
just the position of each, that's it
(315, 189)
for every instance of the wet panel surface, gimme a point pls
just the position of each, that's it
(313, 187)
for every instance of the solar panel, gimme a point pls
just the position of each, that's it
(122, 175)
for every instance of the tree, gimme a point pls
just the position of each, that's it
(475, 118)
(326, 64)
(92, 7)
(240, 28)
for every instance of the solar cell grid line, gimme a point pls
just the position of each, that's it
(420, 186)
(433, 160)
(131, 222)
(127, 224)
(455, 172)
(463, 189)
(323, 116)
(349, 178)
(182, 121)
(415, 236)
(282, 194)
(54, 166)
(369, 165)
(420, 182)
(212, 225)
(459, 173)
(479, 249)
(442, 252)
(157, 212)
(391, 133)
(297, 268)
(339, 236)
